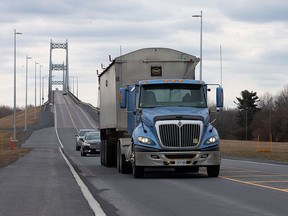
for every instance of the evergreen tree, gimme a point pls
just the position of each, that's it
(247, 105)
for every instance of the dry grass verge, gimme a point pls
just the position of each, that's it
(266, 151)
(8, 156)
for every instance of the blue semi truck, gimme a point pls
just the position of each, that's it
(153, 113)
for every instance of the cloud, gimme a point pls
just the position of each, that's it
(256, 11)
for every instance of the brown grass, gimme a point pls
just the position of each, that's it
(274, 151)
(8, 156)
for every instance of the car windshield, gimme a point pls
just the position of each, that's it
(186, 95)
(92, 136)
(83, 132)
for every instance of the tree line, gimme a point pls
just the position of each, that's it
(264, 117)
(6, 111)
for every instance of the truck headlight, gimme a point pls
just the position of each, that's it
(145, 140)
(212, 140)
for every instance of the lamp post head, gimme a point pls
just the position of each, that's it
(15, 33)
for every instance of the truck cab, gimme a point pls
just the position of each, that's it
(169, 125)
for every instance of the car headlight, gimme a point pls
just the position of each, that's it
(212, 140)
(145, 140)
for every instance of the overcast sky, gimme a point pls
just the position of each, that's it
(253, 35)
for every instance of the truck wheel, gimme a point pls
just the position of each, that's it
(123, 166)
(77, 147)
(82, 152)
(110, 154)
(138, 171)
(103, 152)
(213, 171)
(119, 165)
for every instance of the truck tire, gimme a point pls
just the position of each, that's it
(77, 147)
(110, 154)
(138, 171)
(103, 152)
(124, 167)
(213, 171)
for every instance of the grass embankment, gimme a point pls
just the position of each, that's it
(7, 155)
(266, 151)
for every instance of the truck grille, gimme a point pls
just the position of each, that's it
(177, 134)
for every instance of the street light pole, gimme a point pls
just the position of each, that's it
(35, 117)
(40, 85)
(73, 85)
(27, 58)
(43, 88)
(14, 114)
(77, 86)
(201, 17)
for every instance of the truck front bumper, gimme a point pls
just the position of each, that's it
(187, 158)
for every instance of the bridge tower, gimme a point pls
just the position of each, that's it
(64, 67)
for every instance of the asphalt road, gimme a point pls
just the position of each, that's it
(243, 187)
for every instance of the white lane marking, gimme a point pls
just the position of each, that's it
(95, 127)
(94, 205)
(96, 208)
(56, 126)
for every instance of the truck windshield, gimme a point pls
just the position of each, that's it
(186, 95)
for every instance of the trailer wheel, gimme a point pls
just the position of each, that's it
(118, 157)
(110, 154)
(103, 152)
(213, 171)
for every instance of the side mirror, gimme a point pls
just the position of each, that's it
(219, 97)
(123, 98)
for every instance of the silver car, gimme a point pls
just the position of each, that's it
(91, 143)
(80, 137)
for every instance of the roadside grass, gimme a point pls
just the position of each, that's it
(7, 155)
(265, 151)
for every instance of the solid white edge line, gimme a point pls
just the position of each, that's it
(55, 127)
(94, 205)
(96, 208)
